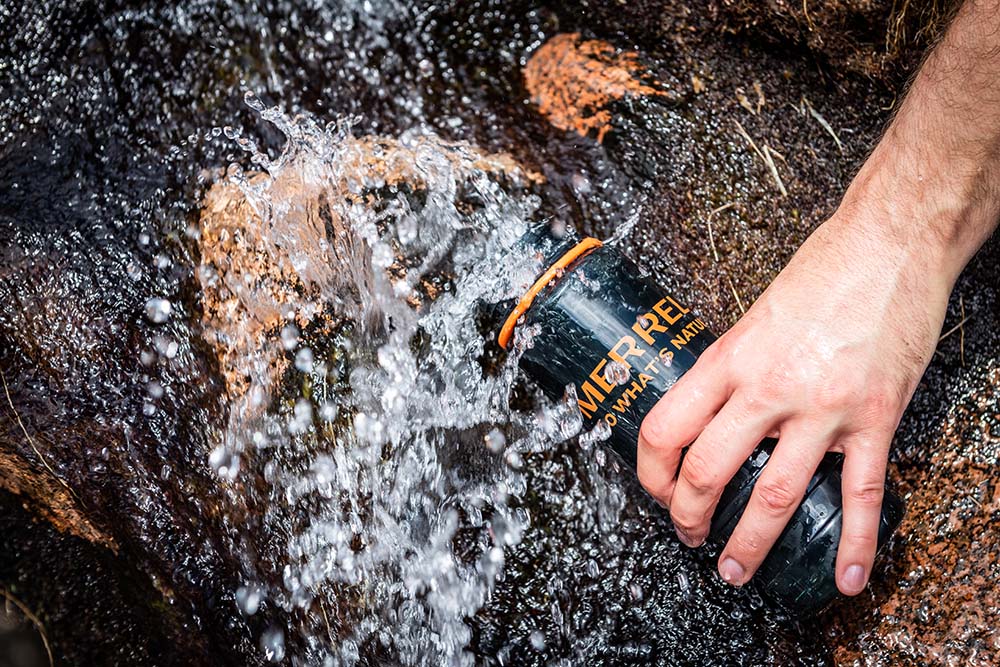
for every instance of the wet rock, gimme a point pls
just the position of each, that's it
(103, 136)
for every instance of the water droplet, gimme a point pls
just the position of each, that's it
(514, 460)
(252, 101)
(328, 411)
(301, 417)
(248, 599)
(165, 346)
(600, 433)
(272, 642)
(616, 372)
(304, 360)
(154, 389)
(289, 336)
(683, 583)
(635, 590)
(495, 441)
(158, 310)
(224, 462)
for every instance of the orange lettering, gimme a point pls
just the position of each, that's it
(667, 311)
(654, 325)
(630, 351)
(589, 407)
(597, 375)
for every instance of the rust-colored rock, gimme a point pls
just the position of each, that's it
(43, 493)
(574, 80)
(945, 609)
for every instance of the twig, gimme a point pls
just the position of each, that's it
(750, 141)
(34, 619)
(711, 237)
(954, 328)
(825, 125)
(739, 301)
(31, 441)
(326, 620)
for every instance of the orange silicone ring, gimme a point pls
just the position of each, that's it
(507, 330)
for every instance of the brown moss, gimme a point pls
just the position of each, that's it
(882, 39)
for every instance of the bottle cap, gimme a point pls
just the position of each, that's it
(557, 263)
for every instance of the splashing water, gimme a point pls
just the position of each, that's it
(369, 385)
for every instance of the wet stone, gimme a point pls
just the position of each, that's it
(362, 494)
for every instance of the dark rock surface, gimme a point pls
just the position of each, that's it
(95, 160)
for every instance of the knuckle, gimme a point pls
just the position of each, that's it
(877, 407)
(867, 494)
(776, 496)
(745, 543)
(774, 385)
(684, 520)
(653, 434)
(718, 350)
(699, 473)
(858, 542)
(751, 402)
(878, 401)
(836, 396)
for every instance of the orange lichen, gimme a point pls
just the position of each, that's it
(573, 82)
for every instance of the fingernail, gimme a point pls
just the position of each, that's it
(731, 571)
(684, 537)
(854, 579)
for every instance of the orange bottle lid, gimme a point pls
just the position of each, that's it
(571, 255)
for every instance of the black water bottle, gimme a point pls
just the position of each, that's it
(596, 323)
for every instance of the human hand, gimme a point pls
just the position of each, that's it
(825, 360)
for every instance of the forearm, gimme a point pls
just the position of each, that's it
(933, 182)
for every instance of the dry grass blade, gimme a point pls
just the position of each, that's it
(765, 156)
(745, 135)
(31, 440)
(957, 327)
(774, 169)
(822, 121)
(708, 220)
(739, 301)
(961, 332)
(23, 608)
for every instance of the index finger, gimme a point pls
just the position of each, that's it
(674, 423)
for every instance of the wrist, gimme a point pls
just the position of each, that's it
(930, 205)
